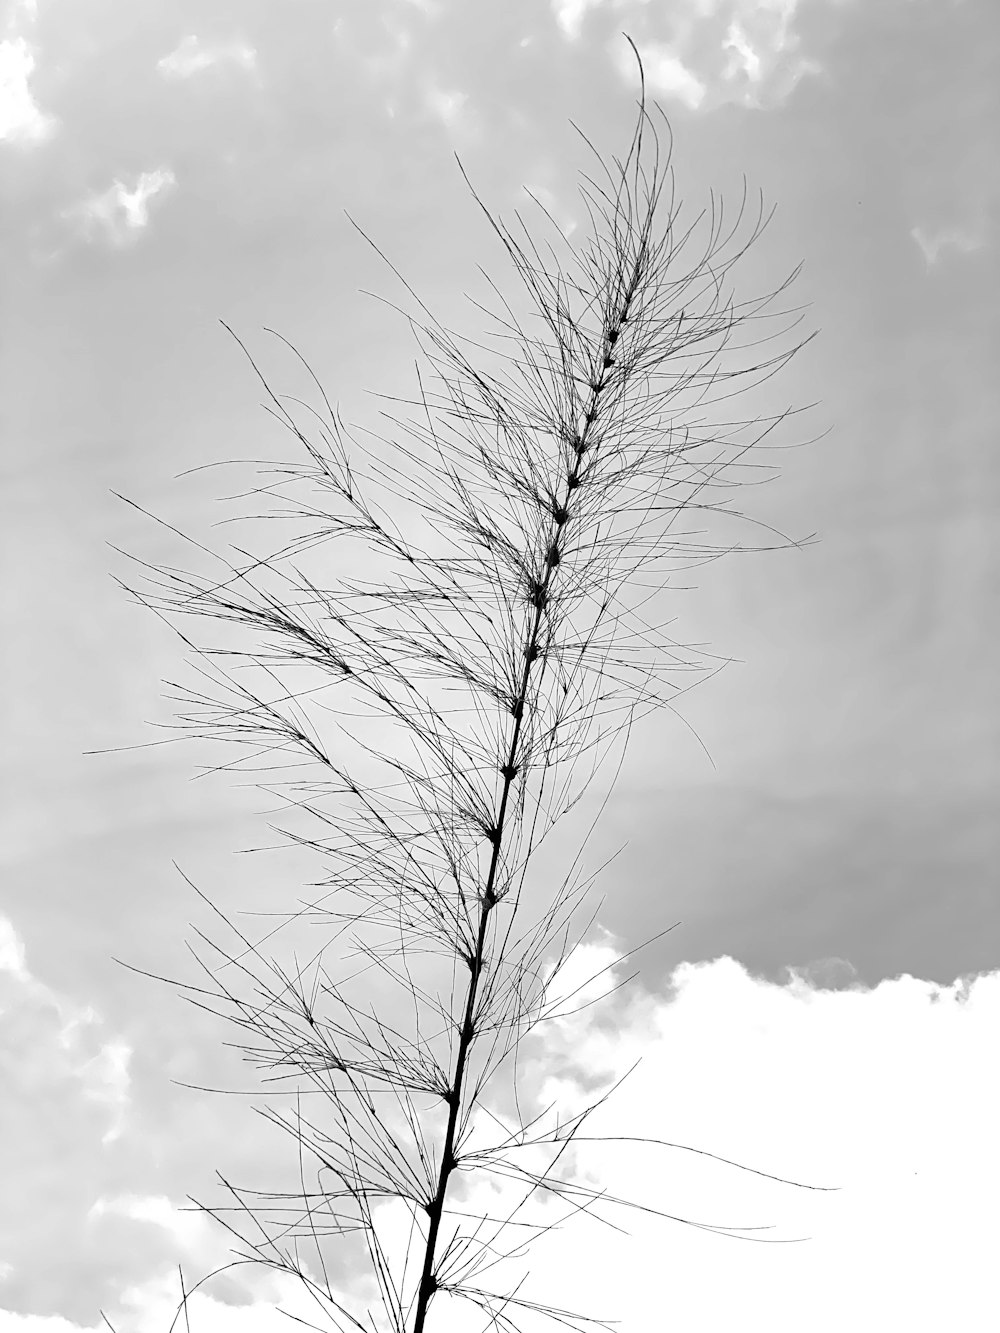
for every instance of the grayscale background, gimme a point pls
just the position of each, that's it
(820, 817)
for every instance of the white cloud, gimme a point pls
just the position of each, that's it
(190, 57)
(963, 239)
(447, 106)
(21, 120)
(451, 108)
(119, 212)
(764, 51)
(107, 1082)
(743, 58)
(152, 1307)
(49, 1042)
(570, 14)
(12, 957)
(191, 1229)
(201, 1247)
(667, 74)
(890, 1094)
(706, 53)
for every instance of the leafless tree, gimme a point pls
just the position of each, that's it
(512, 533)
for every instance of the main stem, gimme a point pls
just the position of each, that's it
(428, 1280)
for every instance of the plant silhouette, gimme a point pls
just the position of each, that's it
(435, 695)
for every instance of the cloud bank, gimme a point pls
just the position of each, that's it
(887, 1098)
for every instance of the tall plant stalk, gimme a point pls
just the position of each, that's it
(508, 538)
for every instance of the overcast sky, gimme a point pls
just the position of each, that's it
(821, 817)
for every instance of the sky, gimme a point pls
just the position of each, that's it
(819, 818)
